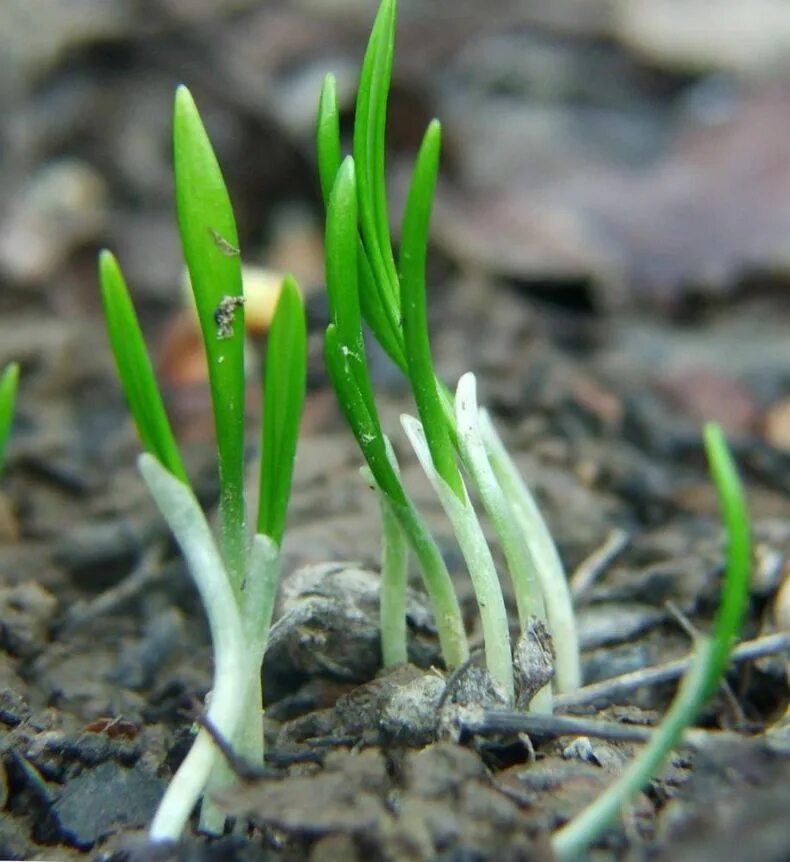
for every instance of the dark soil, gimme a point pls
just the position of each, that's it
(611, 260)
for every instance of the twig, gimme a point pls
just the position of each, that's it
(609, 689)
(594, 565)
(489, 721)
(485, 722)
(147, 571)
(240, 767)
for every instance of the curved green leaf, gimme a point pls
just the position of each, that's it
(736, 576)
(341, 244)
(369, 153)
(365, 428)
(702, 677)
(413, 254)
(284, 391)
(135, 368)
(379, 314)
(210, 243)
(328, 136)
(9, 383)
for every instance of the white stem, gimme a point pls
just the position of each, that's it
(520, 562)
(258, 595)
(479, 561)
(522, 566)
(394, 579)
(556, 592)
(188, 524)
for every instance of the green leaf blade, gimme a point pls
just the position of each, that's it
(342, 274)
(380, 86)
(702, 678)
(366, 428)
(735, 590)
(284, 392)
(210, 244)
(135, 368)
(9, 384)
(413, 256)
(379, 312)
(369, 146)
(341, 255)
(328, 136)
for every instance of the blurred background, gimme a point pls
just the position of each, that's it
(611, 240)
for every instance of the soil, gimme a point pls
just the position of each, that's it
(610, 258)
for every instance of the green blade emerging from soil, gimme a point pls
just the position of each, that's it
(135, 368)
(284, 391)
(703, 677)
(211, 251)
(413, 254)
(328, 137)
(9, 383)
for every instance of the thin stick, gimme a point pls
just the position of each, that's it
(148, 570)
(483, 722)
(595, 564)
(609, 689)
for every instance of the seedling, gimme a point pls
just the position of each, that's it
(703, 676)
(364, 282)
(9, 382)
(237, 580)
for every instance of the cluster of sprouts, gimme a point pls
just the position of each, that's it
(451, 435)
(237, 577)
(454, 439)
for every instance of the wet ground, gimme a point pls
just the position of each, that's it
(611, 257)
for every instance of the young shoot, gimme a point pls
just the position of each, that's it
(702, 678)
(392, 301)
(346, 361)
(237, 580)
(9, 383)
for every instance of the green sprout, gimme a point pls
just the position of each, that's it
(704, 675)
(451, 434)
(9, 383)
(237, 580)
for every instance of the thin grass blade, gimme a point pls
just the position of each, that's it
(380, 296)
(9, 383)
(210, 243)
(328, 137)
(284, 391)
(135, 368)
(373, 87)
(413, 254)
(377, 131)
(366, 428)
(380, 312)
(702, 678)
(341, 244)
(732, 502)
